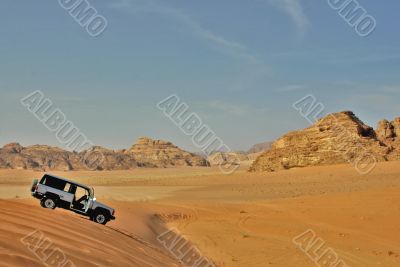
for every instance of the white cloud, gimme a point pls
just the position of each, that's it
(294, 10)
(229, 47)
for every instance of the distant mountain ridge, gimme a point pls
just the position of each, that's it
(145, 153)
(238, 157)
(257, 148)
(338, 138)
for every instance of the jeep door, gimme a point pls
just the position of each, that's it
(81, 198)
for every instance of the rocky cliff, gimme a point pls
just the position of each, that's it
(159, 153)
(337, 138)
(15, 156)
(389, 134)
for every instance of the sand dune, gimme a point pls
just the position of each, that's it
(83, 242)
(244, 219)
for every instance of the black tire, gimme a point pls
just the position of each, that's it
(100, 217)
(34, 184)
(48, 203)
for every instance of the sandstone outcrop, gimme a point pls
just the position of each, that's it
(389, 134)
(159, 153)
(385, 130)
(337, 138)
(38, 157)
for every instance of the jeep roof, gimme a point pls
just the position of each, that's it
(67, 180)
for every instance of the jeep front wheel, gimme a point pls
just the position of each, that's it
(48, 203)
(100, 218)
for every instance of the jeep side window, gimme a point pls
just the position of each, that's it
(43, 180)
(67, 187)
(54, 182)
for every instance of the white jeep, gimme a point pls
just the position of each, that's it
(59, 192)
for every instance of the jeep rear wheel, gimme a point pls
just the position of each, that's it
(48, 203)
(100, 218)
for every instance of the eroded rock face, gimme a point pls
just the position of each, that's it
(158, 153)
(146, 153)
(396, 125)
(337, 138)
(14, 156)
(389, 134)
(101, 158)
(385, 130)
(13, 148)
(388, 130)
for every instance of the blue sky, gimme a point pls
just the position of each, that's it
(239, 64)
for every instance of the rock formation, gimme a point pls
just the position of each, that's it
(107, 159)
(257, 148)
(337, 138)
(38, 157)
(238, 157)
(389, 134)
(159, 153)
(146, 153)
(385, 130)
(396, 125)
(222, 158)
(232, 158)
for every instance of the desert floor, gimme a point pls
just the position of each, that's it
(243, 219)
